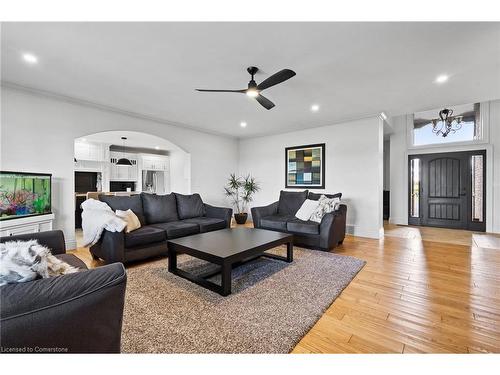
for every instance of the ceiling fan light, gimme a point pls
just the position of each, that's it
(253, 93)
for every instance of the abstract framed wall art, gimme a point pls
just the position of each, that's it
(305, 166)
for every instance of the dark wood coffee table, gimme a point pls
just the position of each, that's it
(227, 248)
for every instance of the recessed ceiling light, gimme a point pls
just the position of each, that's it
(157, 147)
(384, 116)
(442, 78)
(243, 124)
(30, 58)
(315, 108)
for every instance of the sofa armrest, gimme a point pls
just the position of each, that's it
(80, 312)
(223, 213)
(260, 212)
(53, 239)
(110, 247)
(332, 228)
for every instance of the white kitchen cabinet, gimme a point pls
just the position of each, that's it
(89, 151)
(155, 163)
(122, 172)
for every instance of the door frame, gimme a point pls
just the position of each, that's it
(471, 225)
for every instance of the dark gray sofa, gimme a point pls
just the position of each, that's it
(162, 217)
(280, 216)
(75, 313)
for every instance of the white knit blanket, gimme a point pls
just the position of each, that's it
(96, 217)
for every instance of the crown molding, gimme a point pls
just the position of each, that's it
(107, 108)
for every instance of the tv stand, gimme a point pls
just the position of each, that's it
(22, 225)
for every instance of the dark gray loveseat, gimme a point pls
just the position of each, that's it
(162, 217)
(280, 216)
(77, 313)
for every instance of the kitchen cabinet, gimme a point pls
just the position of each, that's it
(89, 151)
(123, 172)
(155, 162)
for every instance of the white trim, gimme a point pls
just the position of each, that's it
(70, 244)
(398, 220)
(358, 231)
(489, 176)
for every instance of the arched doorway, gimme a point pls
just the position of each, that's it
(156, 166)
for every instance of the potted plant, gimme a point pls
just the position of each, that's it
(240, 190)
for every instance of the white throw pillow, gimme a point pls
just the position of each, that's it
(306, 210)
(325, 206)
(130, 218)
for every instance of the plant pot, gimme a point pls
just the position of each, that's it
(241, 218)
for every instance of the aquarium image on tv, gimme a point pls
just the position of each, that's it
(24, 194)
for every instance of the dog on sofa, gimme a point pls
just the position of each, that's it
(22, 261)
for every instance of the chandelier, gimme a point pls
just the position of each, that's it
(447, 123)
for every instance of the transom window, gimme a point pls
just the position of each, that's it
(449, 124)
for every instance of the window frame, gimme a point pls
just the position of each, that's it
(484, 111)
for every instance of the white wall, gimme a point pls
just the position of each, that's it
(38, 133)
(354, 166)
(400, 149)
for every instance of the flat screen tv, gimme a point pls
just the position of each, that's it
(24, 194)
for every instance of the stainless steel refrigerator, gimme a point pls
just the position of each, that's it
(153, 182)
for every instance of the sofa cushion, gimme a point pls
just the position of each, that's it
(189, 206)
(315, 196)
(290, 201)
(133, 202)
(159, 208)
(303, 227)
(207, 224)
(144, 236)
(275, 222)
(176, 229)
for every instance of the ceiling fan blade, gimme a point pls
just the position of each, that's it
(240, 91)
(265, 102)
(276, 78)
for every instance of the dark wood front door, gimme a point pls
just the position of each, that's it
(442, 190)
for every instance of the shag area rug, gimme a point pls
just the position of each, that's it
(272, 306)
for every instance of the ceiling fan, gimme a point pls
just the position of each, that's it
(254, 89)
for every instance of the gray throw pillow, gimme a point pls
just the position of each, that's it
(189, 206)
(291, 201)
(316, 196)
(159, 208)
(123, 203)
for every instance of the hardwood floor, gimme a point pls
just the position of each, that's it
(412, 296)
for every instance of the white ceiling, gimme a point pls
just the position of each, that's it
(350, 69)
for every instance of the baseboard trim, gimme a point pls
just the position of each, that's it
(398, 220)
(357, 231)
(70, 244)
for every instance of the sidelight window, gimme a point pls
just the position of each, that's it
(415, 188)
(477, 171)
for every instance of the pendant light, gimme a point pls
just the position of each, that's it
(124, 161)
